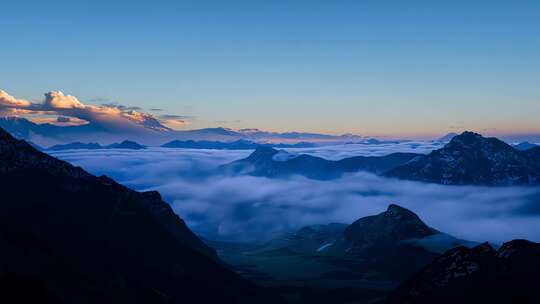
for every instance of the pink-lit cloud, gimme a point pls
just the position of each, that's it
(62, 109)
(7, 100)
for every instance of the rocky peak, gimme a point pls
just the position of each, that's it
(263, 153)
(399, 212)
(462, 274)
(484, 248)
(474, 142)
(470, 158)
(516, 247)
(394, 225)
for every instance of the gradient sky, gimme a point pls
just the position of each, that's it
(398, 68)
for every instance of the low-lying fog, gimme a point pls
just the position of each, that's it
(255, 208)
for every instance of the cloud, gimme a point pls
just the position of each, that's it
(57, 100)
(7, 100)
(255, 208)
(112, 117)
(121, 107)
(60, 120)
(175, 121)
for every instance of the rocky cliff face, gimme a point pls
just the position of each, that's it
(470, 159)
(477, 275)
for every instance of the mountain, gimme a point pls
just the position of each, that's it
(377, 232)
(477, 275)
(470, 159)
(523, 146)
(35, 146)
(448, 137)
(46, 134)
(374, 141)
(257, 134)
(126, 144)
(269, 162)
(234, 145)
(356, 263)
(70, 237)
(148, 130)
(25, 129)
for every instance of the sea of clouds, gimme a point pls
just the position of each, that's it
(246, 208)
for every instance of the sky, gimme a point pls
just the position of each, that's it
(378, 68)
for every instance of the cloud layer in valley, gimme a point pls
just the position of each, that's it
(248, 208)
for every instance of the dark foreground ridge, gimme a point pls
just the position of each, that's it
(70, 237)
(477, 275)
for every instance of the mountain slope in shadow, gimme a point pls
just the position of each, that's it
(70, 237)
(477, 275)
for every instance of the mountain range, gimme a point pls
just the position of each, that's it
(126, 144)
(468, 159)
(151, 132)
(70, 237)
(471, 159)
(240, 144)
(269, 162)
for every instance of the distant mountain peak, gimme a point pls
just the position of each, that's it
(524, 146)
(263, 152)
(471, 159)
(467, 138)
(468, 134)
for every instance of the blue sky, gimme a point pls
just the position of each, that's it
(396, 68)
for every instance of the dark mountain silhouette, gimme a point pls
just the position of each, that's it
(233, 145)
(477, 275)
(470, 159)
(377, 232)
(269, 162)
(126, 144)
(70, 237)
(36, 146)
(25, 129)
(525, 146)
